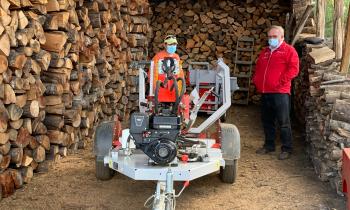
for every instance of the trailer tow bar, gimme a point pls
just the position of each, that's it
(164, 197)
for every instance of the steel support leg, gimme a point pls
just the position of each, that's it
(164, 198)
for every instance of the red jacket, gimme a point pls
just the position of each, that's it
(275, 70)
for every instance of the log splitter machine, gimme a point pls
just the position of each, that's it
(162, 144)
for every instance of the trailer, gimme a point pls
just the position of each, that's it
(149, 150)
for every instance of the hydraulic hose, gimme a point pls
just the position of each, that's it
(191, 141)
(177, 102)
(183, 89)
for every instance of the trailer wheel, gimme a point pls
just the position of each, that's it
(231, 149)
(103, 138)
(229, 173)
(103, 172)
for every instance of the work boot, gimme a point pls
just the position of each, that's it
(263, 151)
(284, 155)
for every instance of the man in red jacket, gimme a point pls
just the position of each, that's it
(276, 66)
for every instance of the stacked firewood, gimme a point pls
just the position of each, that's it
(139, 33)
(207, 30)
(64, 65)
(324, 105)
(23, 136)
(61, 35)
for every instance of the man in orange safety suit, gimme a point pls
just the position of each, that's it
(170, 44)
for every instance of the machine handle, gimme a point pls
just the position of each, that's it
(215, 94)
(144, 104)
(143, 62)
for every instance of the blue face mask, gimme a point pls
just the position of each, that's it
(273, 42)
(171, 49)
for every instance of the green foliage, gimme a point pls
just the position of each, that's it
(329, 16)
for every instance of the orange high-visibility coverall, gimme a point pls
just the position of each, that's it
(165, 95)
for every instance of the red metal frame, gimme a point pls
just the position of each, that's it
(185, 109)
(215, 135)
(346, 175)
(117, 132)
(210, 98)
(165, 94)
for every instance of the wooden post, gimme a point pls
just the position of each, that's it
(338, 33)
(288, 27)
(344, 68)
(300, 26)
(321, 18)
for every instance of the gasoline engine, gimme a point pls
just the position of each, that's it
(156, 132)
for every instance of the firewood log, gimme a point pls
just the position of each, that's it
(44, 141)
(43, 58)
(16, 155)
(52, 6)
(27, 124)
(22, 20)
(53, 89)
(7, 184)
(23, 138)
(341, 111)
(26, 160)
(27, 174)
(3, 64)
(39, 154)
(17, 178)
(54, 122)
(72, 117)
(13, 133)
(4, 149)
(21, 100)
(53, 100)
(38, 127)
(10, 96)
(4, 117)
(31, 109)
(34, 165)
(16, 124)
(55, 41)
(4, 137)
(5, 44)
(57, 137)
(56, 109)
(15, 112)
(16, 60)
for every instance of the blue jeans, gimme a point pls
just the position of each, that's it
(276, 108)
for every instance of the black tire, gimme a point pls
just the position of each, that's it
(230, 146)
(103, 172)
(103, 138)
(229, 173)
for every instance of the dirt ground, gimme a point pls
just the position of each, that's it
(263, 182)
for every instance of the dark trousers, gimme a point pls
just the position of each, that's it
(276, 108)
